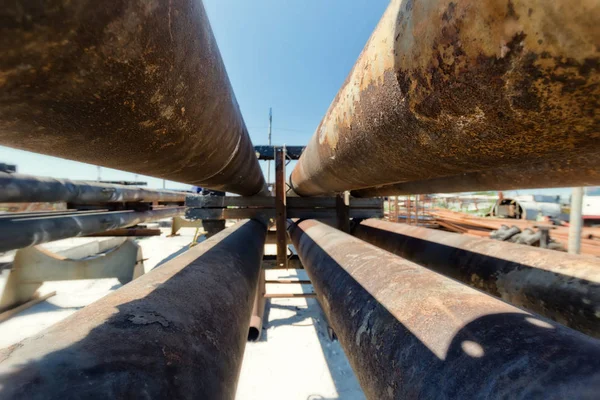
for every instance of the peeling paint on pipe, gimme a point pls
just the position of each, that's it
(411, 333)
(559, 286)
(450, 87)
(178, 332)
(136, 85)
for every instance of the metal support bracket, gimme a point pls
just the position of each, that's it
(281, 207)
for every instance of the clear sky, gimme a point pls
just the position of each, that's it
(291, 55)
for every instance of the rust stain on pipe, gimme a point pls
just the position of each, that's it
(574, 170)
(563, 287)
(18, 188)
(447, 87)
(134, 85)
(412, 333)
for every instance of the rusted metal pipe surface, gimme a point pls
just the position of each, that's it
(178, 332)
(19, 232)
(134, 85)
(557, 285)
(18, 188)
(258, 310)
(448, 87)
(574, 170)
(409, 332)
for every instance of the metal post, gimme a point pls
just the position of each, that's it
(576, 220)
(177, 332)
(280, 207)
(269, 142)
(410, 332)
(342, 211)
(557, 285)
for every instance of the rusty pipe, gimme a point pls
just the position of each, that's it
(409, 332)
(22, 231)
(447, 87)
(560, 286)
(134, 85)
(177, 332)
(574, 170)
(258, 309)
(19, 188)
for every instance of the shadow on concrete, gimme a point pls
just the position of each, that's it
(178, 252)
(43, 307)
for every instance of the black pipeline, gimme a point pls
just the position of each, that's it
(178, 332)
(564, 287)
(19, 188)
(412, 333)
(134, 85)
(22, 231)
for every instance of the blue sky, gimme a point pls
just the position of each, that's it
(292, 55)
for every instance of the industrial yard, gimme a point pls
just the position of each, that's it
(417, 216)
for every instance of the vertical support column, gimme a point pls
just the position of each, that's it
(342, 211)
(396, 209)
(575, 220)
(280, 207)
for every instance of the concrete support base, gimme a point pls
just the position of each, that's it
(33, 266)
(179, 223)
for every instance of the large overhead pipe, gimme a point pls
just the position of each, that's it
(18, 188)
(134, 85)
(409, 332)
(557, 285)
(18, 232)
(575, 169)
(176, 332)
(449, 87)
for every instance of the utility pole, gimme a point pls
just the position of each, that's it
(576, 220)
(99, 170)
(269, 140)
